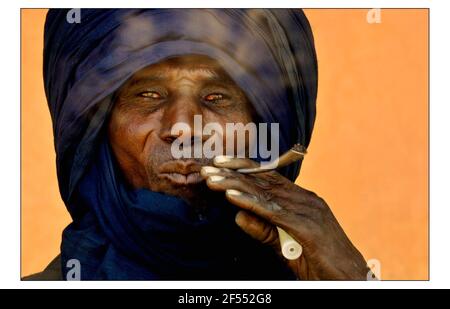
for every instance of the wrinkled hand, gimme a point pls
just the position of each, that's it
(268, 200)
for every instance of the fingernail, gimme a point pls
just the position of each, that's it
(216, 178)
(222, 159)
(233, 192)
(207, 170)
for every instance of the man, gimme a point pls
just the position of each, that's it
(117, 84)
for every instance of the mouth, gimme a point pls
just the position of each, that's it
(182, 179)
(181, 173)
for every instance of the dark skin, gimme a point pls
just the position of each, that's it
(175, 90)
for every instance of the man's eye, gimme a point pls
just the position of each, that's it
(150, 94)
(214, 97)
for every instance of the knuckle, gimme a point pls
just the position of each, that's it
(274, 179)
(261, 183)
(278, 215)
(320, 203)
(266, 195)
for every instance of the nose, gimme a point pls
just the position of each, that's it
(183, 110)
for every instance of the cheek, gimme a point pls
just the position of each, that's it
(130, 132)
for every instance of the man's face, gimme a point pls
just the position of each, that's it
(156, 98)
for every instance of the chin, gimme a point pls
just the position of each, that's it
(191, 193)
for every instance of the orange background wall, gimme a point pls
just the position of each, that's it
(368, 157)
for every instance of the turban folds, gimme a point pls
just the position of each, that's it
(268, 53)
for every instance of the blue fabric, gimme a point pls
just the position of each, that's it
(139, 234)
(270, 55)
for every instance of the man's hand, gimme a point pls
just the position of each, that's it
(268, 200)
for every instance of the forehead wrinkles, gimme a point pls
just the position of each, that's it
(179, 72)
(184, 75)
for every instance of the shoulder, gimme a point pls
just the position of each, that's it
(51, 273)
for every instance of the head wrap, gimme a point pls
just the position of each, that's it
(269, 54)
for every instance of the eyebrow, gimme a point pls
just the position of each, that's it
(213, 78)
(137, 81)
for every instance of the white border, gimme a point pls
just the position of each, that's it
(439, 140)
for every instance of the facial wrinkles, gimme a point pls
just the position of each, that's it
(141, 136)
(185, 87)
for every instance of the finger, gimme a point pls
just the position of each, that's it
(246, 201)
(223, 183)
(234, 163)
(206, 171)
(296, 226)
(221, 179)
(263, 180)
(227, 166)
(257, 228)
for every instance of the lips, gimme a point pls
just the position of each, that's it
(181, 173)
(181, 179)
